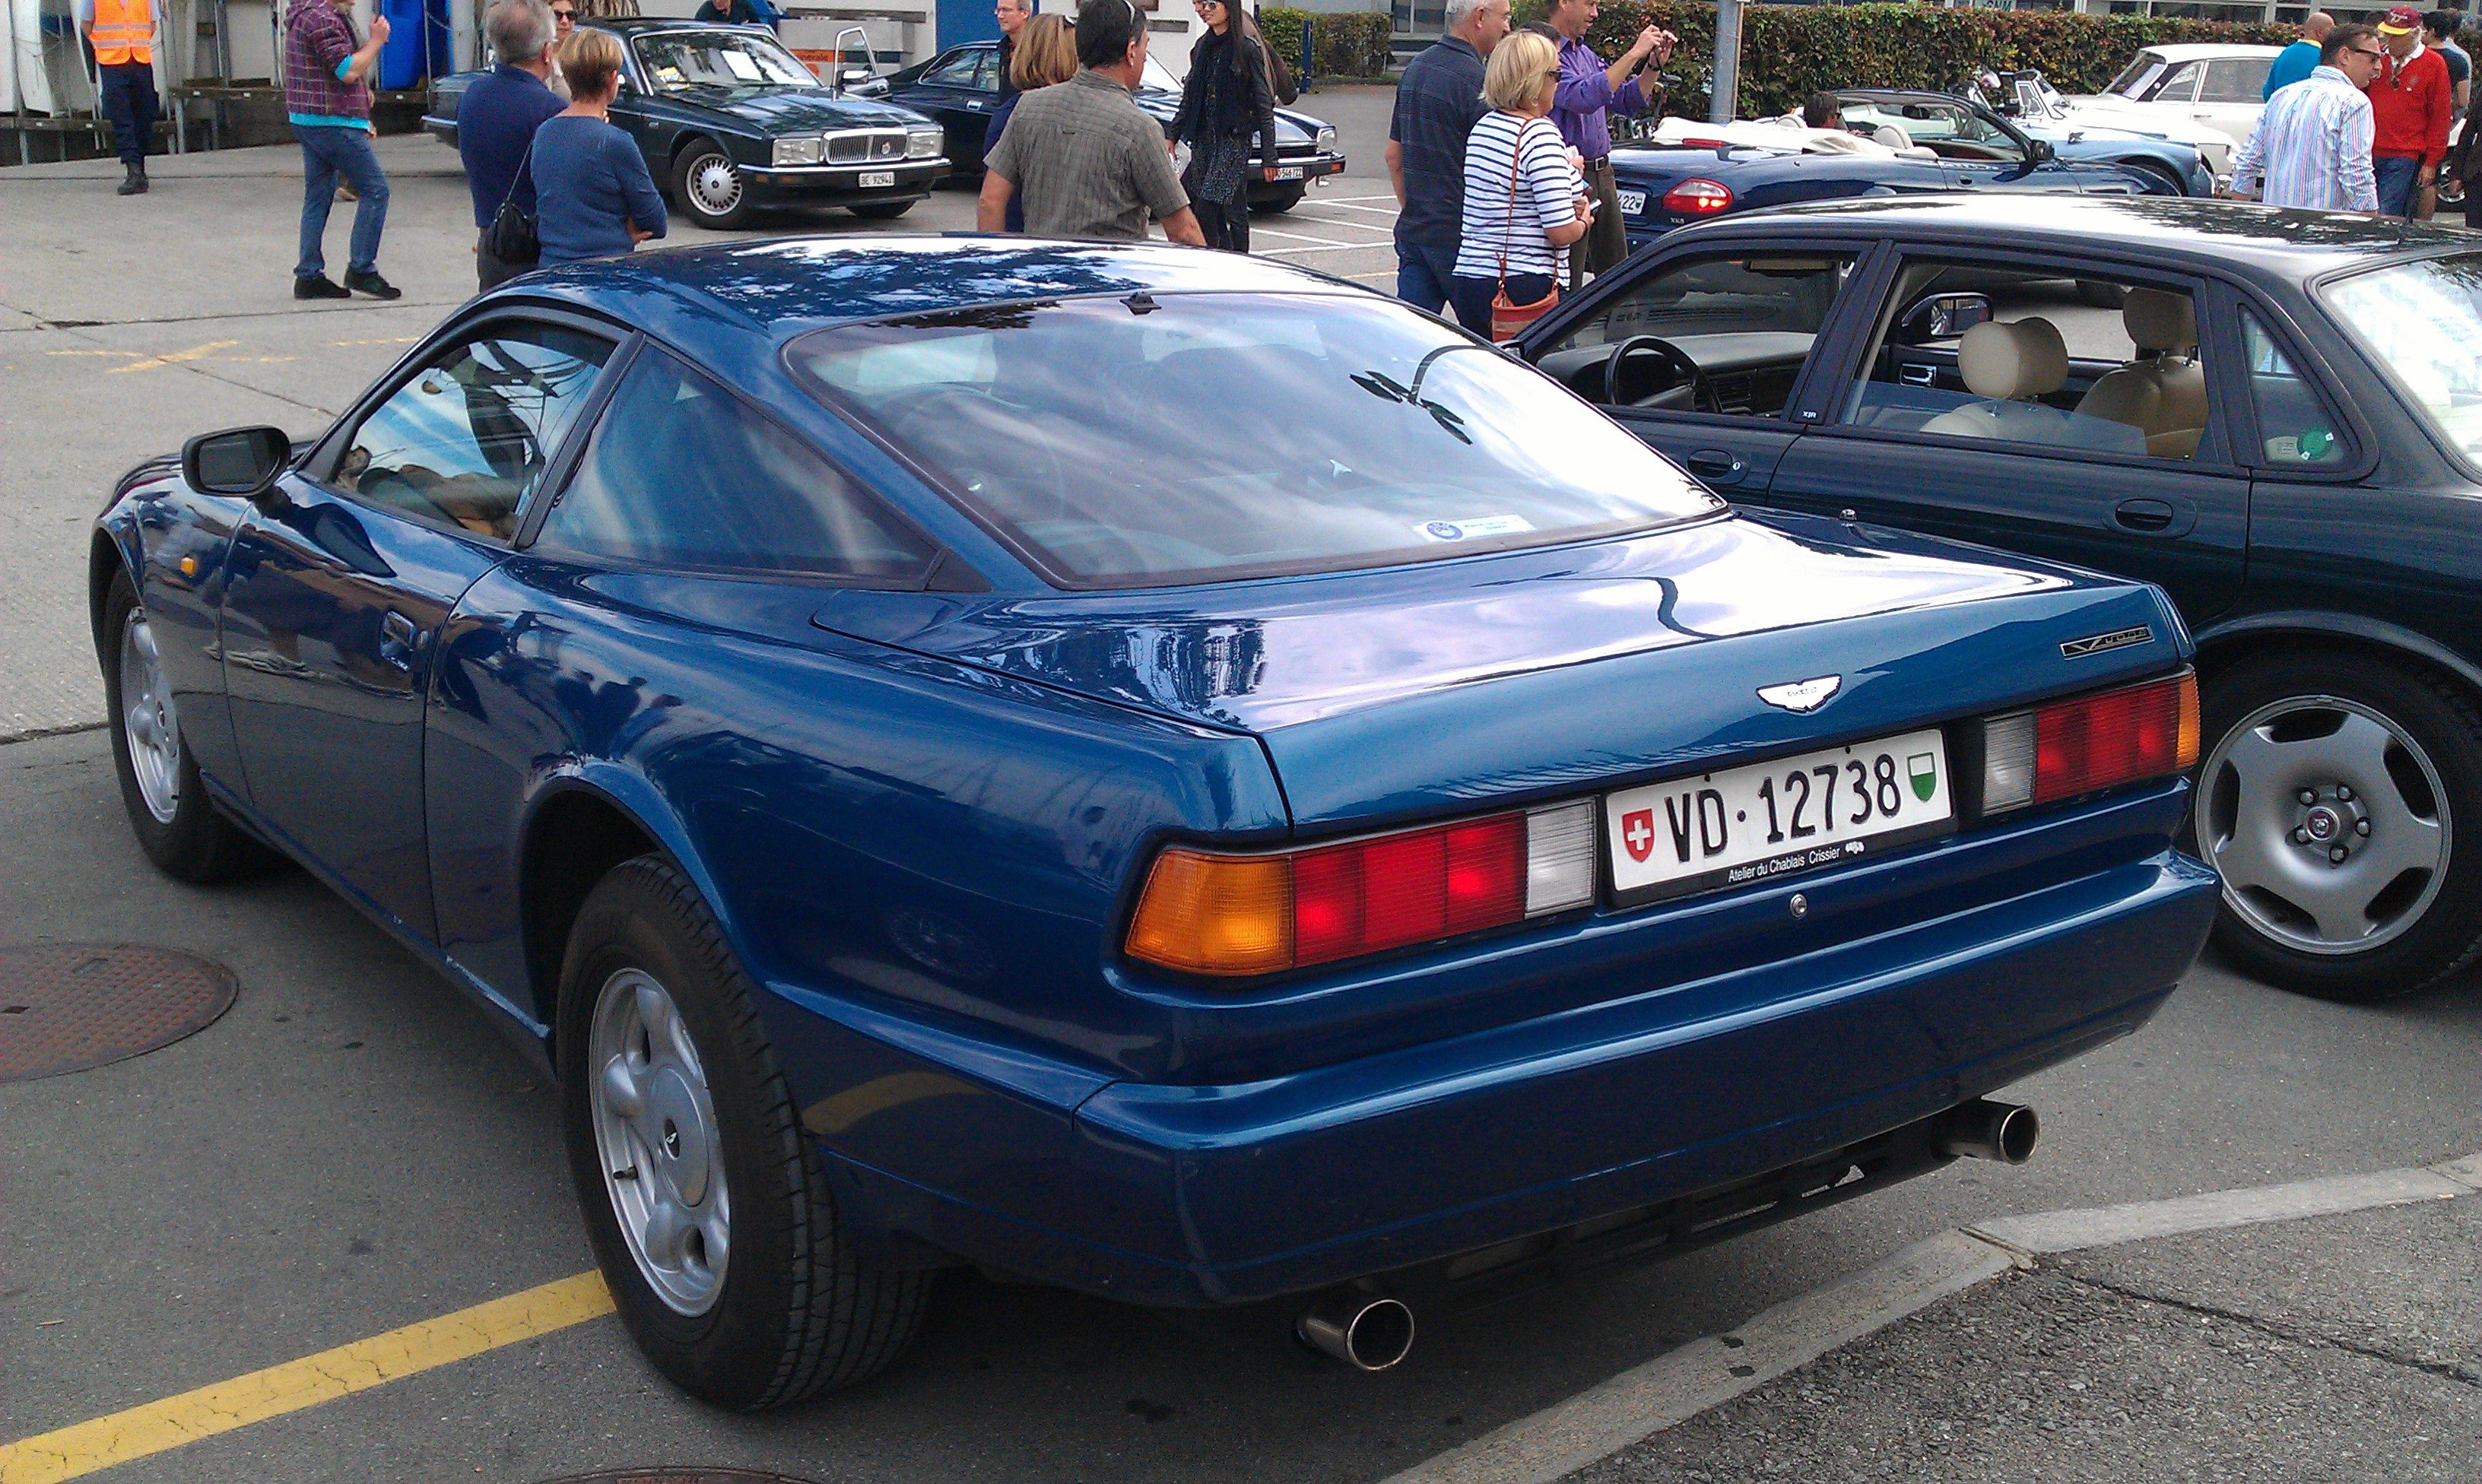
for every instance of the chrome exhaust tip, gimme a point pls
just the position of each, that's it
(1985, 1130)
(1366, 1331)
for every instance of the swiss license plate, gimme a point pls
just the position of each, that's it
(1288, 173)
(874, 178)
(1745, 824)
(1632, 202)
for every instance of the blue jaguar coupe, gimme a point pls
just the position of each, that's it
(1144, 769)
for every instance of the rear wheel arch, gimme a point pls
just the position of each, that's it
(576, 839)
(2220, 649)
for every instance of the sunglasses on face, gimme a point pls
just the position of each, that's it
(2373, 53)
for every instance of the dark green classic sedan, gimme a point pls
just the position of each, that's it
(728, 121)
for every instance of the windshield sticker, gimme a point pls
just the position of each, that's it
(667, 73)
(739, 64)
(1467, 530)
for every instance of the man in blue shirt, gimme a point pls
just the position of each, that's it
(1438, 102)
(496, 122)
(2299, 60)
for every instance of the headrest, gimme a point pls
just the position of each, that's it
(2160, 320)
(1893, 135)
(2011, 362)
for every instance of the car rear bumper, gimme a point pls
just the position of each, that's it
(1313, 167)
(1218, 1194)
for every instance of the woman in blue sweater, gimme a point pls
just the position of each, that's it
(592, 196)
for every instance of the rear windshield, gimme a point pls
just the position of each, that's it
(2423, 320)
(1201, 437)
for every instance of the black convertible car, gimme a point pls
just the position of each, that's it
(728, 119)
(2278, 418)
(961, 87)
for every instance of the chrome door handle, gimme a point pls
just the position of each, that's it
(396, 641)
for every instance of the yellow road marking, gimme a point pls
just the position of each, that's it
(381, 340)
(157, 1426)
(175, 357)
(129, 354)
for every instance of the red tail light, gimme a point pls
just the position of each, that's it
(2094, 742)
(1698, 198)
(1261, 914)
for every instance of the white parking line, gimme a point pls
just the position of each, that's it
(1348, 203)
(1708, 1371)
(1268, 231)
(1336, 247)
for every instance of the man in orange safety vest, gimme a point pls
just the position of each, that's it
(122, 33)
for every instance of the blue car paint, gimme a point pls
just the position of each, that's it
(921, 817)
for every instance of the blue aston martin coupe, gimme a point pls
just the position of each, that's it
(1146, 769)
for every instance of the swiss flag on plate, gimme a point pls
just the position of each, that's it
(1637, 833)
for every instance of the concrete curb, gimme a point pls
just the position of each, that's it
(1708, 1371)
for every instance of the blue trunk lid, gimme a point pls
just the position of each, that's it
(1449, 687)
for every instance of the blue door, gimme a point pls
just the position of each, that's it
(966, 20)
(342, 580)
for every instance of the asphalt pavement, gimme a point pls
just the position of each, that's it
(351, 1148)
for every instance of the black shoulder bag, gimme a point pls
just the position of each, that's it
(510, 237)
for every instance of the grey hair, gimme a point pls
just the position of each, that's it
(518, 30)
(1461, 12)
(1027, 6)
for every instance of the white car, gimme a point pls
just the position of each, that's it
(2201, 86)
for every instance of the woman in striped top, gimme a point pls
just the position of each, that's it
(1525, 199)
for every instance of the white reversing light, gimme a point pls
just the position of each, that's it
(1559, 857)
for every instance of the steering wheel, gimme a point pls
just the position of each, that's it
(1686, 373)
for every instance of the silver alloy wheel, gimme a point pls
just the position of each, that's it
(147, 720)
(655, 1131)
(2311, 830)
(715, 186)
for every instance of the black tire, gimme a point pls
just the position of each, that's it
(881, 211)
(199, 842)
(1275, 202)
(796, 1313)
(2441, 936)
(2156, 173)
(698, 156)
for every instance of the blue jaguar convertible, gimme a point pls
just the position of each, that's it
(1144, 769)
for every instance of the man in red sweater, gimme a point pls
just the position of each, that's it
(2411, 102)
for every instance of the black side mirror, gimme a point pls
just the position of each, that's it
(241, 462)
(2040, 151)
(1942, 317)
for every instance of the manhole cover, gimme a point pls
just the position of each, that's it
(66, 1007)
(677, 1476)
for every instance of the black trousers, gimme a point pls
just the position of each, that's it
(129, 102)
(1226, 224)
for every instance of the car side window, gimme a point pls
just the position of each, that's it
(2234, 80)
(2181, 87)
(2294, 428)
(1746, 323)
(681, 473)
(958, 71)
(2035, 358)
(465, 440)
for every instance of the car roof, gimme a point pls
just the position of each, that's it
(2191, 51)
(2291, 243)
(784, 287)
(634, 25)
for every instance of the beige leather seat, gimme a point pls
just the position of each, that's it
(2010, 365)
(1892, 135)
(2162, 394)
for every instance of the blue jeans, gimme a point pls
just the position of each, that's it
(2397, 190)
(1472, 297)
(329, 151)
(1422, 273)
(129, 101)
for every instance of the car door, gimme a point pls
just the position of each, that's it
(2105, 450)
(2228, 96)
(342, 578)
(1704, 352)
(959, 89)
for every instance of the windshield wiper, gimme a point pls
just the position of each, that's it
(1386, 389)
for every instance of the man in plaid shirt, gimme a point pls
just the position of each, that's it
(328, 98)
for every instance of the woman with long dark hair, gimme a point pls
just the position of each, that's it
(1229, 100)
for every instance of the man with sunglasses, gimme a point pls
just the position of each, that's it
(2312, 143)
(2413, 101)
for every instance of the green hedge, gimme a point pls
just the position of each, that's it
(1352, 44)
(1790, 51)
